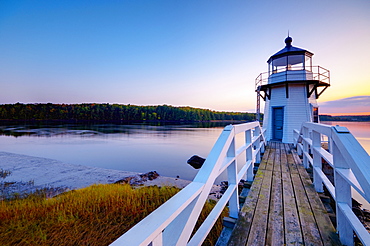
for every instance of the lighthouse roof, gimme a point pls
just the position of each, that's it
(289, 50)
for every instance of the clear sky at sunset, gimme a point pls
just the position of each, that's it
(201, 53)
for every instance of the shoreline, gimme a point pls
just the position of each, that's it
(30, 173)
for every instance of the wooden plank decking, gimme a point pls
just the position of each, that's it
(282, 207)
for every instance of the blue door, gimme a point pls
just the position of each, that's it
(277, 125)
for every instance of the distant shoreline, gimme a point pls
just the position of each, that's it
(128, 122)
(105, 112)
(206, 123)
(354, 118)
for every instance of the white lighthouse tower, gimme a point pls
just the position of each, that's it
(290, 89)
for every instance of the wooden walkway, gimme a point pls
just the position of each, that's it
(282, 207)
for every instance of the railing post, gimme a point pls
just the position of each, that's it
(257, 143)
(342, 195)
(232, 179)
(299, 148)
(176, 228)
(295, 139)
(249, 154)
(262, 139)
(158, 241)
(306, 163)
(317, 161)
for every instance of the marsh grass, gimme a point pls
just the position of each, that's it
(95, 215)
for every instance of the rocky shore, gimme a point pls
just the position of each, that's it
(28, 174)
(24, 174)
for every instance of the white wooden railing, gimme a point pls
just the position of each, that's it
(173, 222)
(351, 164)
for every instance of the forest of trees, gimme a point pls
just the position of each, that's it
(114, 113)
(345, 118)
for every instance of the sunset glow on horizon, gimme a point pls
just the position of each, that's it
(203, 54)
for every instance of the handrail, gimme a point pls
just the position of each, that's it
(318, 73)
(350, 162)
(173, 222)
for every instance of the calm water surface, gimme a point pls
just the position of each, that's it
(138, 148)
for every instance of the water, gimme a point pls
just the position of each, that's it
(361, 131)
(137, 148)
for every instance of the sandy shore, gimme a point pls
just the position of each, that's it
(29, 173)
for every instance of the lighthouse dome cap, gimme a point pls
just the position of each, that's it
(289, 50)
(288, 41)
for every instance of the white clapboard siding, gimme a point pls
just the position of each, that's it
(297, 109)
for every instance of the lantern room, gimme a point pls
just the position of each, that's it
(290, 58)
(290, 63)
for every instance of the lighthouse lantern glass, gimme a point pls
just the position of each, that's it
(308, 63)
(278, 64)
(290, 62)
(295, 62)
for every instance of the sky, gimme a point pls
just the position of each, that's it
(204, 53)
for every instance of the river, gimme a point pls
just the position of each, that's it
(137, 148)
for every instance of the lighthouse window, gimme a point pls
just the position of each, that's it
(295, 62)
(315, 114)
(279, 65)
(308, 63)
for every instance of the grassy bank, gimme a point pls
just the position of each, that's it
(95, 215)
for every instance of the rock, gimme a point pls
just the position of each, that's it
(138, 179)
(149, 176)
(224, 185)
(196, 161)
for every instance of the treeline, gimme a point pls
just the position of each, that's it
(114, 113)
(345, 118)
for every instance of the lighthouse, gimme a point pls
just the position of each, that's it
(290, 89)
